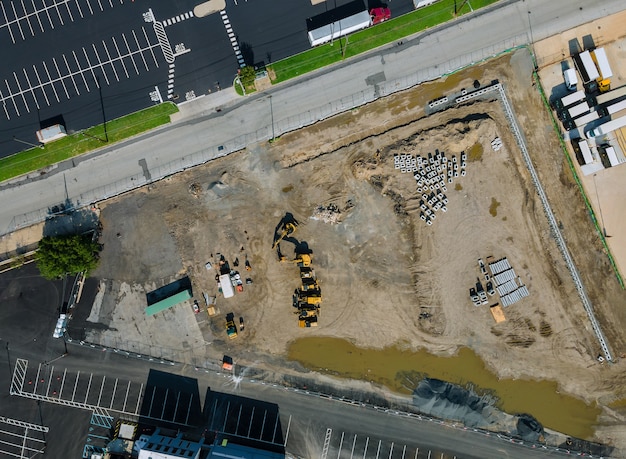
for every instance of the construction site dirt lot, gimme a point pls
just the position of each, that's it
(386, 277)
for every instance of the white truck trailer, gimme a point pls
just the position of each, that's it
(338, 22)
(611, 96)
(605, 128)
(227, 286)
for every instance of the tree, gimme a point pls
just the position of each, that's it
(247, 75)
(61, 255)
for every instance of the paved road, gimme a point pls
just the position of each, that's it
(358, 431)
(191, 140)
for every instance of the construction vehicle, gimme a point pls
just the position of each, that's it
(308, 296)
(231, 328)
(288, 228)
(303, 260)
(604, 69)
(309, 283)
(306, 272)
(227, 363)
(305, 322)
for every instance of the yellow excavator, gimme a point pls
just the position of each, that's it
(288, 228)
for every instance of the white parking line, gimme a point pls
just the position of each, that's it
(50, 79)
(82, 74)
(119, 54)
(101, 389)
(139, 47)
(148, 42)
(32, 89)
(88, 387)
(46, 8)
(75, 385)
(7, 23)
(71, 74)
(116, 379)
(37, 14)
(69, 12)
(100, 4)
(101, 66)
(110, 60)
(62, 382)
(130, 54)
(18, 21)
(367, 442)
(60, 78)
(22, 93)
(79, 9)
(90, 67)
(89, 5)
(56, 5)
(26, 15)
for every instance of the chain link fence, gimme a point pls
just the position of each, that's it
(280, 127)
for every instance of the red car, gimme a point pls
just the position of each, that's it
(380, 15)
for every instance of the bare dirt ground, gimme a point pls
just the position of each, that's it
(381, 265)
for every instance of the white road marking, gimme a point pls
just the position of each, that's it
(367, 442)
(26, 15)
(46, 8)
(56, 6)
(32, 89)
(68, 11)
(41, 86)
(60, 77)
(88, 387)
(75, 385)
(139, 47)
(148, 41)
(37, 15)
(100, 4)
(120, 54)
(82, 74)
(7, 23)
(100, 61)
(79, 9)
(110, 60)
(62, 382)
(19, 26)
(21, 92)
(71, 74)
(4, 105)
(101, 389)
(130, 54)
(90, 66)
(89, 5)
(50, 79)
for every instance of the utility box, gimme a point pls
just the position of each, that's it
(571, 80)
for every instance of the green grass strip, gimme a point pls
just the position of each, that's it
(373, 37)
(570, 162)
(84, 141)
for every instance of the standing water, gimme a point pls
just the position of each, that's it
(400, 370)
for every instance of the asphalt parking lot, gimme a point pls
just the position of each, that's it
(113, 57)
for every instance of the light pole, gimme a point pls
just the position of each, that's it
(599, 206)
(272, 117)
(532, 41)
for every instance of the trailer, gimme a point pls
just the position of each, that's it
(226, 285)
(605, 128)
(586, 119)
(617, 107)
(587, 69)
(578, 110)
(610, 153)
(583, 146)
(570, 99)
(602, 63)
(611, 96)
(338, 22)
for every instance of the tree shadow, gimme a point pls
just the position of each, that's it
(247, 53)
(64, 220)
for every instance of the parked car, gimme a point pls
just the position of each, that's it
(196, 307)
